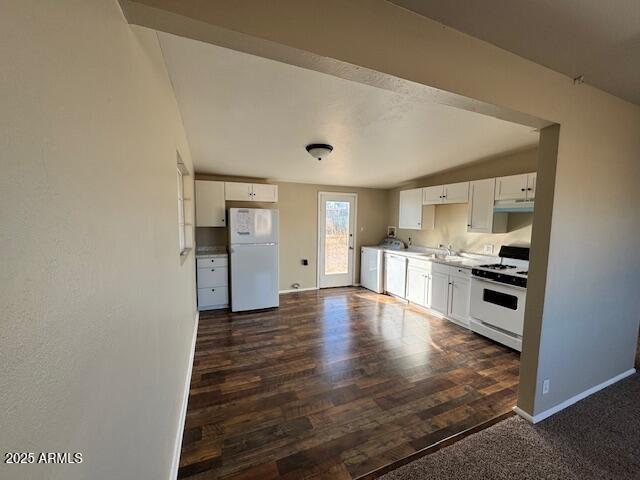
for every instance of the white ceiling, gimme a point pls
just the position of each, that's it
(599, 39)
(249, 116)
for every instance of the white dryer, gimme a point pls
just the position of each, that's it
(372, 263)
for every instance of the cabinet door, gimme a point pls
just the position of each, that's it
(238, 191)
(432, 195)
(410, 215)
(265, 193)
(480, 211)
(416, 285)
(531, 186)
(513, 187)
(210, 204)
(439, 292)
(459, 295)
(456, 193)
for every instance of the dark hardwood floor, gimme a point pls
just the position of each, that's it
(334, 384)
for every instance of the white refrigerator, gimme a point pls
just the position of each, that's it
(253, 242)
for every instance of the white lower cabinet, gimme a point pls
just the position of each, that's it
(418, 275)
(439, 290)
(416, 285)
(213, 282)
(442, 288)
(459, 296)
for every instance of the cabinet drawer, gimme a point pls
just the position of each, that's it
(219, 261)
(213, 296)
(420, 264)
(464, 273)
(213, 277)
(440, 268)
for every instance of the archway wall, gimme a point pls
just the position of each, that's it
(582, 315)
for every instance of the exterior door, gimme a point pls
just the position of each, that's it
(336, 239)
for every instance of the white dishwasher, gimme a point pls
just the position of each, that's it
(395, 274)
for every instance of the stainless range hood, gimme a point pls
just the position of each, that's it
(513, 206)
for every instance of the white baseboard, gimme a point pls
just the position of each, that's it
(177, 448)
(298, 290)
(576, 398)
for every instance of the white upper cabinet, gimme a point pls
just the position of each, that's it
(410, 215)
(480, 216)
(210, 210)
(265, 193)
(531, 185)
(452, 193)
(513, 187)
(250, 192)
(456, 193)
(237, 191)
(432, 195)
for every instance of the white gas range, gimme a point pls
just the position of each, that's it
(498, 297)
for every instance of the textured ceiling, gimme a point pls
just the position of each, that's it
(249, 116)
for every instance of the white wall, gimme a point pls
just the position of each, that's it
(590, 320)
(97, 306)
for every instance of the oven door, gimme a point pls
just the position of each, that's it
(498, 305)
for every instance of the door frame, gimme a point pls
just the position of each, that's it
(320, 211)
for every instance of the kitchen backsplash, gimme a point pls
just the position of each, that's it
(451, 228)
(211, 236)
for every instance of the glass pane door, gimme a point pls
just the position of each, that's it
(336, 221)
(336, 237)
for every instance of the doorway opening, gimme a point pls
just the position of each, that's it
(336, 239)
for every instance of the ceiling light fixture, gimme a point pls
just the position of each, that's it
(319, 150)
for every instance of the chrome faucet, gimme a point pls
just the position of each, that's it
(447, 248)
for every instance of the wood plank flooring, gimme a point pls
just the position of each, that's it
(334, 384)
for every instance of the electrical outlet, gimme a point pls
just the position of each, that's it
(488, 249)
(545, 387)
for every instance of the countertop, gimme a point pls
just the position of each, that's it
(209, 251)
(462, 261)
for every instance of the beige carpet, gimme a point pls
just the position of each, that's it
(598, 438)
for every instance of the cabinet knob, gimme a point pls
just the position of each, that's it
(213, 269)
(522, 189)
(468, 224)
(529, 189)
(213, 289)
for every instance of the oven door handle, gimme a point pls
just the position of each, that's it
(493, 282)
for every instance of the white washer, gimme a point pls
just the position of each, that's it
(372, 263)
